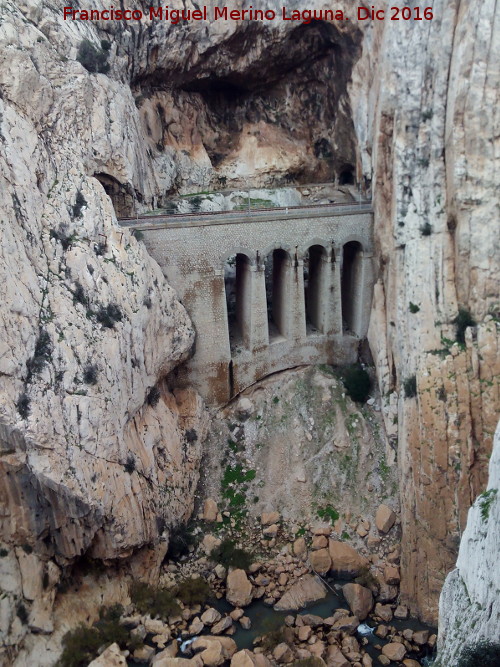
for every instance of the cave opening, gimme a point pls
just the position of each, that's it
(314, 289)
(237, 276)
(352, 282)
(122, 196)
(277, 277)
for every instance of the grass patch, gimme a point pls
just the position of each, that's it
(328, 513)
(93, 58)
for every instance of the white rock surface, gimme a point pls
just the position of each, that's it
(469, 606)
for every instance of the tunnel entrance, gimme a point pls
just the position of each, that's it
(315, 265)
(352, 282)
(346, 175)
(277, 274)
(237, 285)
(121, 196)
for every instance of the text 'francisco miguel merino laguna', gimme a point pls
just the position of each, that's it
(175, 16)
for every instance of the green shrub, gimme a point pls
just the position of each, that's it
(193, 591)
(82, 644)
(42, 354)
(80, 202)
(483, 654)
(191, 435)
(462, 321)
(180, 541)
(137, 234)
(22, 613)
(92, 58)
(414, 308)
(486, 499)
(357, 383)
(80, 647)
(426, 229)
(410, 386)
(23, 405)
(90, 374)
(229, 555)
(130, 464)
(109, 315)
(153, 601)
(328, 513)
(153, 396)
(79, 295)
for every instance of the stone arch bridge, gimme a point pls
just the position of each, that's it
(266, 290)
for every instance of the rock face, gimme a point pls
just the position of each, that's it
(469, 606)
(426, 126)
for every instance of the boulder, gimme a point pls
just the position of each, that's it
(239, 589)
(345, 560)
(304, 632)
(311, 619)
(283, 653)
(267, 518)
(209, 543)
(319, 542)
(307, 589)
(394, 651)
(214, 650)
(210, 510)
(420, 637)
(410, 663)
(359, 598)
(211, 616)
(401, 612)
(299, 546)
(384, 611)
(348, 624)
(391, 575)
(335, 657)
(236, 614)
(271, 530)
(245, 623)
(246, 658)
(320, 561)
(169, 652)
(222, 625)
(385, 518)
(110, 657)
(168, 661)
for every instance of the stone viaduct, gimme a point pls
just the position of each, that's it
(266, 290)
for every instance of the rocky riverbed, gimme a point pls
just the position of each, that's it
(310, 599)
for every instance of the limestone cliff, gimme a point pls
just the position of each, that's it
(469, 606)
(96, 456)
(424, 97)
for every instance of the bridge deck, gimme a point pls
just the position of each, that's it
(203, 219)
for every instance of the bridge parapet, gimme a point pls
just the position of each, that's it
(267, 290)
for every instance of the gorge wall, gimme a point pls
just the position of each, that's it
(90, 328)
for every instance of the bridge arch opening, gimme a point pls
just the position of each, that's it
(277, 275)
(352, 286)
(315, 266)
(238, 300)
